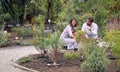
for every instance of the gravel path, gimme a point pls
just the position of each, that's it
(13, 53)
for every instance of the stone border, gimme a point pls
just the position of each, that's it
(22, 67)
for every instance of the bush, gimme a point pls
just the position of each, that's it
(23, 32)
(95, 60)
(38, 39)
(113, 37)
(25, 43)
(3, 38)
(71, 55)
(55, 44)
(61, 27)
(80, 36)
(24, 59)
(6, 17)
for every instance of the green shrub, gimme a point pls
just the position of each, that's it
(6, 17)
(95, 60)
(113, 37)
(55, 44)
(38, 39)
(53, 40)
(25, 43)
(27, 32)
(80, 36)
(22, 31)
(61, 27)
(24, 59)
(71, 55)
(3, 38)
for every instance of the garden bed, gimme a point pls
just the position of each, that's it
(68, 65)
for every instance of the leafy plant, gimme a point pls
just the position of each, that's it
(54, 42)
(61, 27)
(6, 17)
(25, 43)
(39, 40)
(113, 37)
(71, 55)
(24, 59)
(22, 31)
(3, 38)
(95, 59)
(80, 36)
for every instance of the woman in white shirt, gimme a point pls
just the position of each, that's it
(67, 36)
(90, 28)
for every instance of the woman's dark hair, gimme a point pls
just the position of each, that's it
(91, 19)
(71, 22)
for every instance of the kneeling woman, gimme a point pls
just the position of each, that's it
(67, 35)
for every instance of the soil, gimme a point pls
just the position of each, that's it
(68, 65)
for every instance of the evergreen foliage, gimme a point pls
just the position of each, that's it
(95, 59)
(113, 37)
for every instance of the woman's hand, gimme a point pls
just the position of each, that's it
(89, 28)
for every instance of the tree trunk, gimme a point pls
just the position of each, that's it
(48, 10)
(55, 55)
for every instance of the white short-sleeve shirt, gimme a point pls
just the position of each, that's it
(94, 29)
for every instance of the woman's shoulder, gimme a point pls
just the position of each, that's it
(68, 26)
(84, 24)
(94, 24)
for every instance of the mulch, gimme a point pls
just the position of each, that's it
(68, 65)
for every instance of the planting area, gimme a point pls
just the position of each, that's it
(68, 65)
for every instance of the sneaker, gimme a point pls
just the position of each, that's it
(65, 47)
(75, 49)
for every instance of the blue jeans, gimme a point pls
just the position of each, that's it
(91, 35)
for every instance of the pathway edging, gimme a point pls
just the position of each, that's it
(22, 67)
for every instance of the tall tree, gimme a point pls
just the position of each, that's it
(50, 9)
(16, 8)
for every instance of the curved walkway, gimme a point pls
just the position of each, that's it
(13, 53)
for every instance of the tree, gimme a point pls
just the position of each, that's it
(16, 9)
